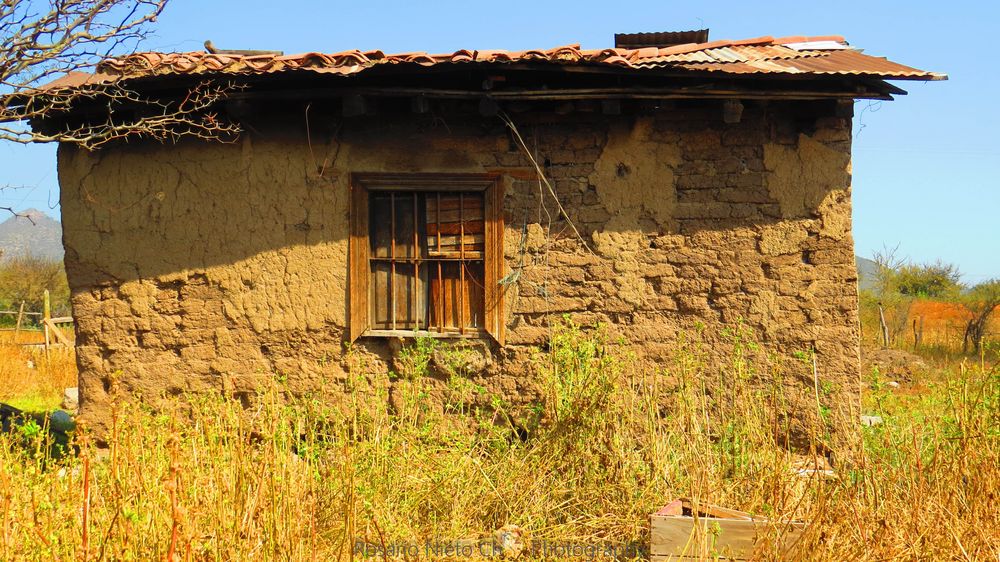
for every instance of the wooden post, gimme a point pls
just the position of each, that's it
(918, 332)
(46, 316)
(885, 328)
(17, 326)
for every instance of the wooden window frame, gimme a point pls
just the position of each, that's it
(359, 271)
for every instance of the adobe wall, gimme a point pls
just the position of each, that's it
(210, 267)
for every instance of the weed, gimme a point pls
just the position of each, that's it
(29, 380)
(207, 478)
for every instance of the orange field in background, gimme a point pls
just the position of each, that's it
(939, 312)
(944, 323)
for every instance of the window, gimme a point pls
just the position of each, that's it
(426, 255)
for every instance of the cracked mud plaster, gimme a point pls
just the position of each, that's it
(214, 267)
(634, 179)
(634, 175)
(811, 179)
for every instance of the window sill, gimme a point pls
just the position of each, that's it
(471, 333)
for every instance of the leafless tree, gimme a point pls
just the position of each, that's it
(982, 301)
(45, 48)
(893, 306)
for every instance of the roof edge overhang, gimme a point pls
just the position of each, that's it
(562, 73)
(749, 84)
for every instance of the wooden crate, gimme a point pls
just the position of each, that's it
(680, 529)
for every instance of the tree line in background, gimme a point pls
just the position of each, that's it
(888, 305)
(25, 279)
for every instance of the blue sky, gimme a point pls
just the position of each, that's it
(925, 165)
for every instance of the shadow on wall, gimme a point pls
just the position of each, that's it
(688, 217)
(150, 211)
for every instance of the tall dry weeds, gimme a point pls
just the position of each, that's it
(213, 480)
(31, 379)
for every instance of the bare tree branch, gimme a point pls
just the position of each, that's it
(11, 210)
(44, 39)
(17, 214)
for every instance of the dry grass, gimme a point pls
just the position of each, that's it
(210, 480)
(28, 380)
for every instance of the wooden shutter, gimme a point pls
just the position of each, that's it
(358, 269)
(359, 274)
(495, 317)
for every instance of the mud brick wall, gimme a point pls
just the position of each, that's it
(209, 267)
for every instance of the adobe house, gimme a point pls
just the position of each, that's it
(666, 183)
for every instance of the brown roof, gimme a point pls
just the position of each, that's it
(799, 56)
(659, 38)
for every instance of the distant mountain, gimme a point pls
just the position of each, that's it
(33, 233)
(867, 272)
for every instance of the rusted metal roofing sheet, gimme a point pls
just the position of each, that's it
(739, 53)
(659, 39)
(845, 63)
(819, 56)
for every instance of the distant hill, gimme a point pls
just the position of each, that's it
(19, 237)
(867, 270)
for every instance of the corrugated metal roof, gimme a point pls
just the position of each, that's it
(660, 38)
(845, 63)
(761, 55)
(737, 53)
